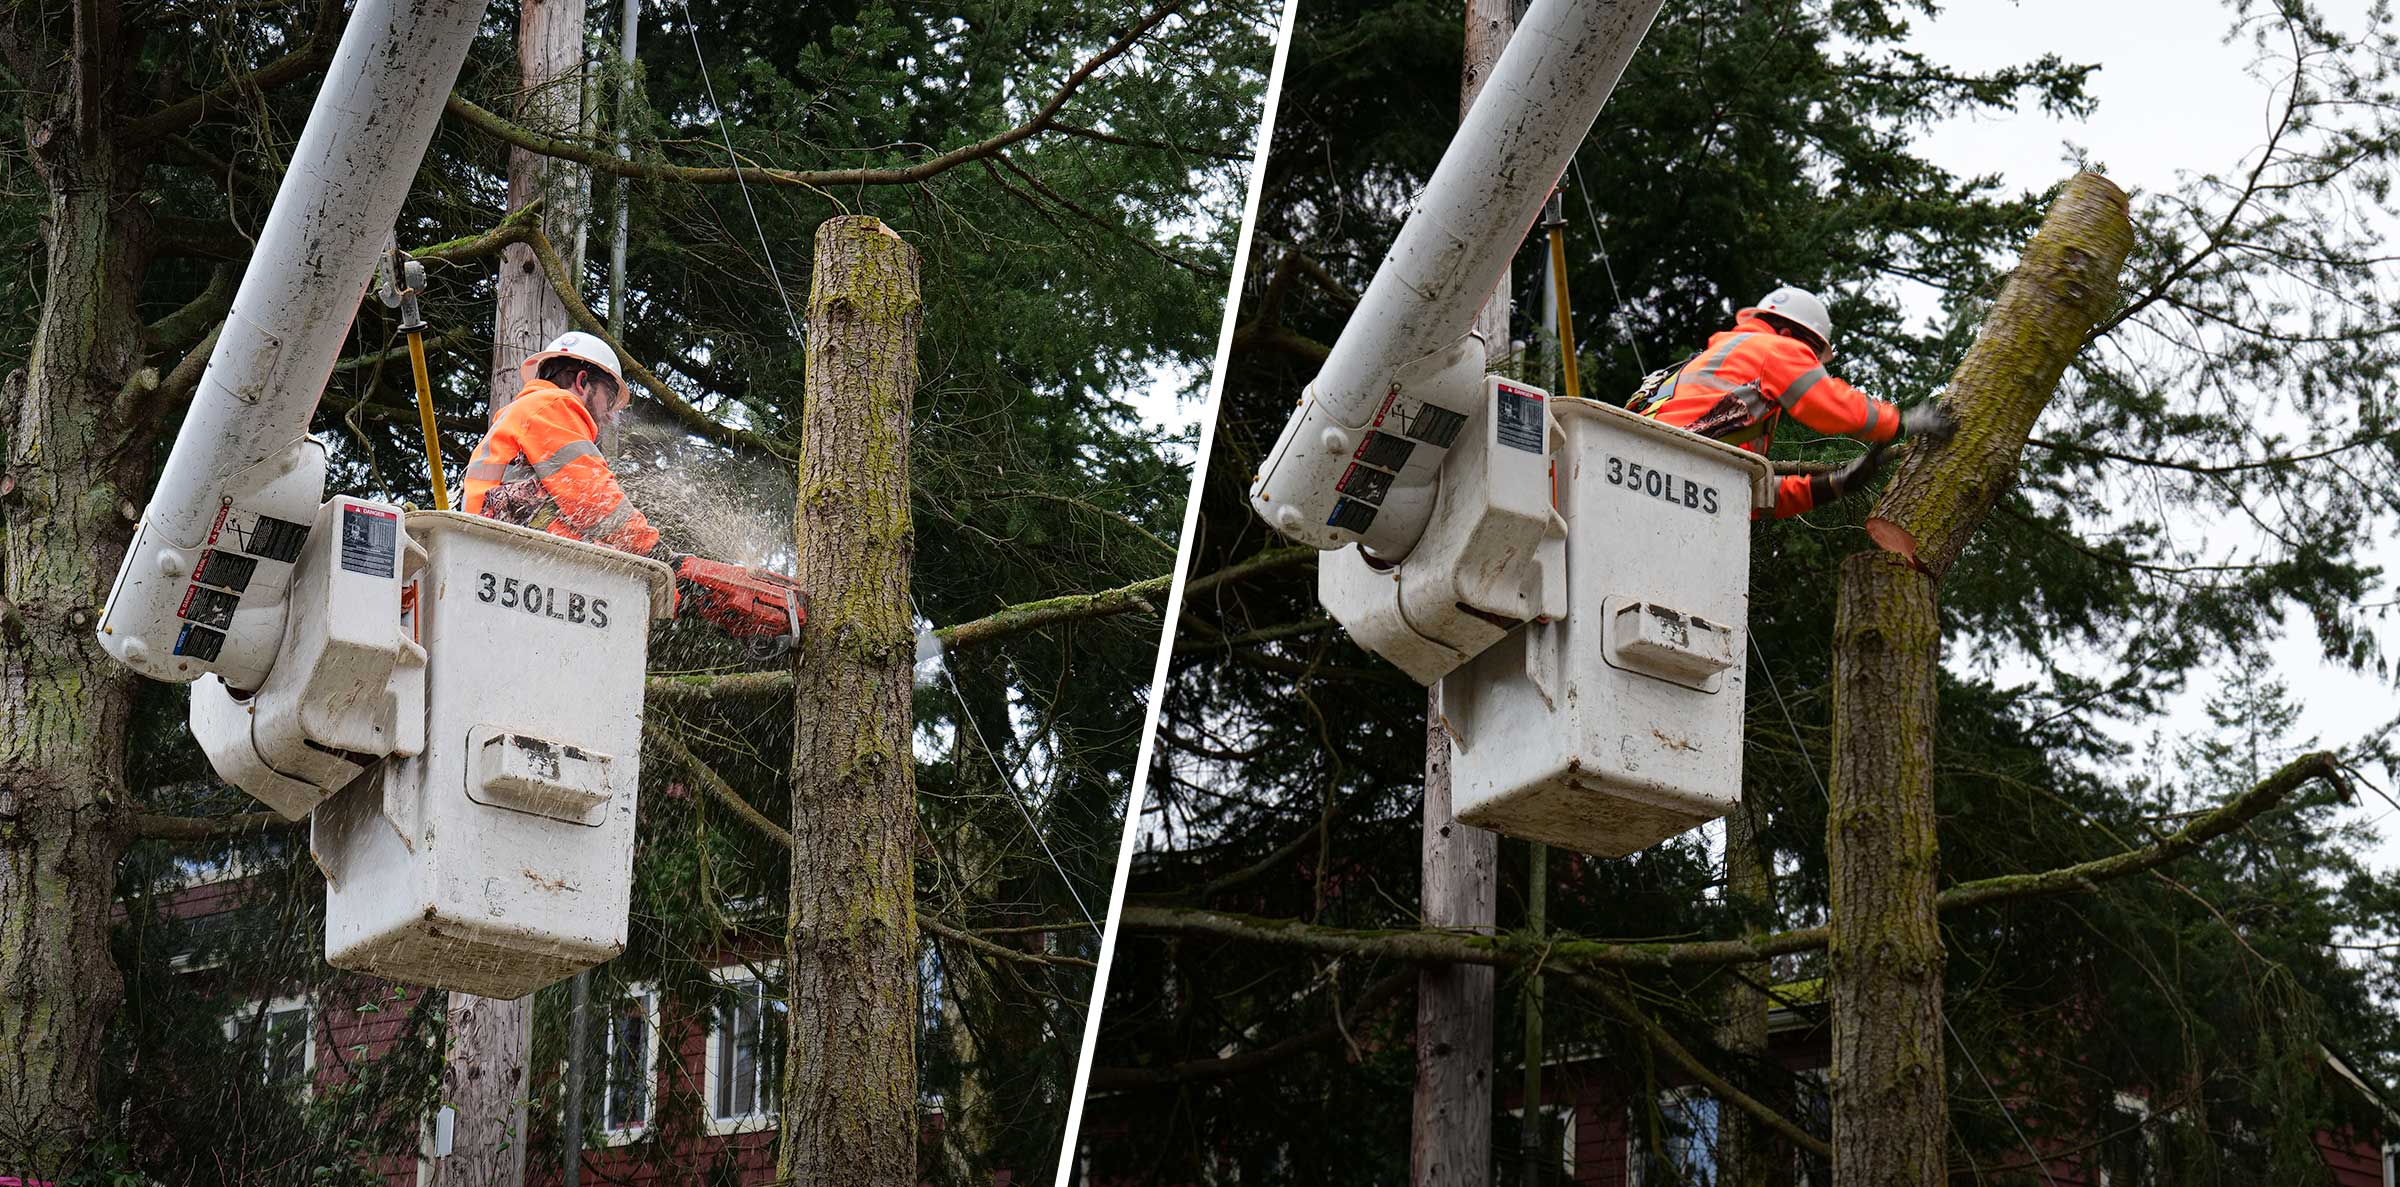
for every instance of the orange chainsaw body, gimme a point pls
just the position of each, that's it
(758, 607)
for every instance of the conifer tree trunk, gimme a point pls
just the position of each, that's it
(72, 470)
(1890, 1126)
(849, 1097)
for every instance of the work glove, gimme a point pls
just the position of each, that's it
(1854, 475)
(1928, 419)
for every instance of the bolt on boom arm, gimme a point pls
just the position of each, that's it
(1359, 459)
(202, 587)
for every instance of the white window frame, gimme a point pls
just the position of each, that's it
(1566, 1138)
(2391, 1163)
(1633, 1131)
(2154, 1146)
(240, 1019)
(766, 976)
(647, 997)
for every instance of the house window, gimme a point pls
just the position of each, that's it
(2134, 1147)
(745, 1043)
(1684, 1152)
(276, 1041)
(629, 1053)
(1556, 1162)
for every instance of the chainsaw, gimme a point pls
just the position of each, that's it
(764, 610)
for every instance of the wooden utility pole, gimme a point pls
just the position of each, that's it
(484, 1073)
(550, 101)
(1450, 1129)
(849, 1097)
(1890, 1121)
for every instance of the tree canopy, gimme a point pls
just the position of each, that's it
(1071, 178)
(1251, 1024)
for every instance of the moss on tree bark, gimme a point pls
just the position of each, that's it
(1890, 1122)
(850, 939)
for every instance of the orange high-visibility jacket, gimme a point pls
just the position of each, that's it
(540, 467)
(1706, 397)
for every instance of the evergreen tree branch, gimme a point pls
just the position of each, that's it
(1266, 560)
(693, 690)
(1682, 1057)
(1238, 156)
(715, 784)
(959, 935)
(1572, 954)
(299, 65)
(1128, 1079)
(498, 127)
(676, 752)
(563, 283)
(2227, 468)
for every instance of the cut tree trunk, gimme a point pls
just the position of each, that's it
(73, 474)
(849, 1097)
(484, 1072)
(1890, 1126)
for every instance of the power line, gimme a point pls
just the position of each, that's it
(966, 713)
(1593, 214)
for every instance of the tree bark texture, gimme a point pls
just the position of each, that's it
(550, 67)
(74, 471)
(1450, 1127)
(1450, 1134)
(850, 938)
(1885, 954)
(491, 1041)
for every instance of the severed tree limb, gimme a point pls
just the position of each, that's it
(1573, 954)
(600, 160)
(1128, 1079)
(1682, 1057)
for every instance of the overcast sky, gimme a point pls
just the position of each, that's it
(2173, 98)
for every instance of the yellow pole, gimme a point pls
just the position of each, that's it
(1566, 321)
(433, 440)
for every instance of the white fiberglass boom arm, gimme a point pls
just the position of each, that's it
(1358, 459)
(202, 587)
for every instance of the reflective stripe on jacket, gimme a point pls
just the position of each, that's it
(540, 467)
(1747, 378)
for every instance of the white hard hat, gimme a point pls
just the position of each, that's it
(1801, 308)
(574, 344)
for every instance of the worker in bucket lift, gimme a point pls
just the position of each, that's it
(540, 466)
(1770, 364)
